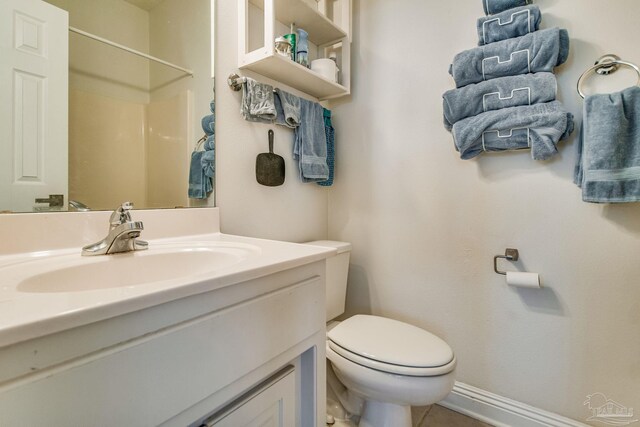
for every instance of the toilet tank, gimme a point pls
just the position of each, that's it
(337, 272)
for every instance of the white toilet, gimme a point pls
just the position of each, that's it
(387, 366)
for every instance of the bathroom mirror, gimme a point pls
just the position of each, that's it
(133, 122)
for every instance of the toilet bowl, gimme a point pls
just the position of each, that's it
(388, 364)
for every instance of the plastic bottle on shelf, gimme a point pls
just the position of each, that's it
(302, 48)
(291, 38)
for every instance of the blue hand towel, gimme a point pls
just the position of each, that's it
(508, 24)
(538, 127)
(539, 51)
(503, 92)
(496, 6)
(310, 143)
(208, 124)
(331, 148)
(208, 163)
(258, 103)
(608, 163)
(210, 142)
(199, 183)
(287, 109)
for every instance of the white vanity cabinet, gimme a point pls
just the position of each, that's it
(243, 354)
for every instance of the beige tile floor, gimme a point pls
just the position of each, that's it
(439, 416)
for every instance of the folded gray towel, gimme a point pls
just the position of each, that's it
(503, 92)
(288, 109)
(538, 51)
(310, 143)
(608, 164)
(508, 24)
(538, 127)
(496, 6)
(258, 103)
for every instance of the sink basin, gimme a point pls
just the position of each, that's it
(75, 273)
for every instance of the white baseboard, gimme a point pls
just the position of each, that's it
(500, 411)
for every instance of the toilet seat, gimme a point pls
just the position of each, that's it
(391, 346)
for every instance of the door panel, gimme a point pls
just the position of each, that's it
(34, 108)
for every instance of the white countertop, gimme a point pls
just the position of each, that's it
(28, 315)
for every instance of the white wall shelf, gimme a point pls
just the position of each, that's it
(323, 32)
(295, 75)
(320, 28)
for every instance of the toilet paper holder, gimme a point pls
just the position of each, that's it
(509, 254)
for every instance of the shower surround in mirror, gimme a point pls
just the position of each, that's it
(133, 123)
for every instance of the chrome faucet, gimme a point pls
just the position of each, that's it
(122, 237)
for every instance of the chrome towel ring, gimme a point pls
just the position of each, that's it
(606, 65)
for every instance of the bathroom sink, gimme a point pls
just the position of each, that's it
(162, 262)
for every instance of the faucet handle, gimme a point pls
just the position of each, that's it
(121, 214)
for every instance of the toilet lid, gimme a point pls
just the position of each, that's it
(391, 342)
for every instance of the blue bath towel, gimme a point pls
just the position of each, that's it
(508, 24)
(209, 124)
(208, 162)
(496, 6)
(199, 184)
(538, 127)
(503, 92)
(331, 148)
(539, 51)
(287, 109)
(310, 143)
(210, 142)
(608, 163)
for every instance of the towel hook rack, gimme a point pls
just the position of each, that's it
(604, 66)
(235, 81)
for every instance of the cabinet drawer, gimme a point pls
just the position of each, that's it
(271, 404)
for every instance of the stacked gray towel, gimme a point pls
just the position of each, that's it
(538, 51)
(508, 24)
(505, 89)
(491, 7)
(538, 127)
(512, 91)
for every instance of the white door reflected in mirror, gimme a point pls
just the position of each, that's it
(34, 79)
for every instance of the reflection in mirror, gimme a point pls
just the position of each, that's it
(133, 122)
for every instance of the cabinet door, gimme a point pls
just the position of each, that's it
(270, 405)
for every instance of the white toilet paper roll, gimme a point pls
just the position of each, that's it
(522, 279)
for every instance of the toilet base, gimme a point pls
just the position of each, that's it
(384, 414)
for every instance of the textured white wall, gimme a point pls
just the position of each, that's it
(425, 224)
(293, 211)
